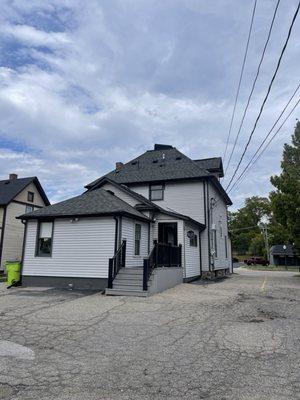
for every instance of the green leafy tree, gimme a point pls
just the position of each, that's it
(243, 224)
(257, 246)
(285, 200)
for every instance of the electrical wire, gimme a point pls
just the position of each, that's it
(267, 95)
(253, 85)
(267, 136)
(242, 176)
(240, 78)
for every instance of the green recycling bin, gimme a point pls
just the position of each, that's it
(13, 271)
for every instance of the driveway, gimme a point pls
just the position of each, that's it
(234, 339)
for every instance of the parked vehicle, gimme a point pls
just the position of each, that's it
(256, 261)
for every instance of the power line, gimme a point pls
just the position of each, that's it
(253, 85)
(267, 136)
(267, 95)
(240, 79)
(269, 142)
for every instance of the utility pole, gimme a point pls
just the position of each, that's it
(264, 231)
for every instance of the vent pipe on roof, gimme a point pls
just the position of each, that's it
(119, 165)
(13, 176)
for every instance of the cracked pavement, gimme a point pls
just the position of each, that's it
(233, 339)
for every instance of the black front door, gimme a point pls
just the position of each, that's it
(167, 233)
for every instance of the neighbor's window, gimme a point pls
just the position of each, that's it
(44, 239)
(30, 196)
(137, 241)
(226, 248)
(28, 209)
(156, 192)
(194, 241)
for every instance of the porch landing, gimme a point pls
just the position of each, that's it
(129, 281)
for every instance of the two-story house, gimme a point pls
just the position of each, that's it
(149, 224)
(17, 196)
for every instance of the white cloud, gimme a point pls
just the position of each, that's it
(34, 37)
(83, 85)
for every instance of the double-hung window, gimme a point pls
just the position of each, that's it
(226, 247)
(194, 241)
(44, 239)
(137, 241)
(157, 192)
(29, 208)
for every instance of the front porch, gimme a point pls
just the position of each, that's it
(161, 270)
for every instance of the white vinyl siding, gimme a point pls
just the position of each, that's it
(184, 197)
(121, 194)
(219, 219)
(192, 253)
(141, 189)
(128, 233)
(80, 249)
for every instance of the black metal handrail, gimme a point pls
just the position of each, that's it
(162, 255)
(116, 263)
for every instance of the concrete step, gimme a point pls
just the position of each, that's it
(123, 292)
(121, 280)
(127, 287)
(129, 271)
(130, 275)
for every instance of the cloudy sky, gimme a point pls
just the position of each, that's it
(86, 83)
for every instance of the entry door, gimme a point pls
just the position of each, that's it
(167, 233)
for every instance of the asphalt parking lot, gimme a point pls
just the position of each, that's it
(233, 339)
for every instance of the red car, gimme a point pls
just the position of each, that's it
(256, 261)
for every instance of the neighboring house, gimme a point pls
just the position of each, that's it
(160, 209)
(280, 255)
(17, 196)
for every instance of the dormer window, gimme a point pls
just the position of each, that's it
(157, 192)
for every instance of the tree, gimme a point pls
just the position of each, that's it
(257, 246)
(285, 200)
(243, 223)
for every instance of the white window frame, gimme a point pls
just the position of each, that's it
(27, 208)
(137, 240)
(39, 237)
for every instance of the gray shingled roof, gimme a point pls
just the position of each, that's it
(156, 165)
(92, 203)
(278, 249)
(10, 188)
(211, 164)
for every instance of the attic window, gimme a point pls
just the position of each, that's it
(157, 192)
(30, 196)
(110, 192)
(155, 161)
(178, 158)
(134, 163)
